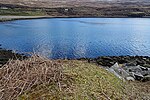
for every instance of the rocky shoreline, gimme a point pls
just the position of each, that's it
(6, 55)
(125, 67)
(128, 60)
(106, 61)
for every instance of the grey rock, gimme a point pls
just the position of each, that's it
(146, 78)
(138, 76)
(135, 69)
(130, 78)
(120, 71)
(131, 64)
(114, 72)
(115, 66)
(130, 73)
(143, 68)
(147, 65)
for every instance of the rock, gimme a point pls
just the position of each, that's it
(114, 72)
(145, 73)
(130, 78)
(115, 66)
(135, 69)
(120, 71)
(138, 76)
(107, 58)
(147, 65)
(146, 78)
(141, 62)
(131, 68)
(143, 68)
(131, 64)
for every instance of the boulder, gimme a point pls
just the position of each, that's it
(141, 62)
(130, 73)
(147, 65)
(131, 64)
(143, 68)
(115, 66)
(135, 69)
(130, 78)
(146, 78)
(138, 76)
(120, 71)
(114, 72)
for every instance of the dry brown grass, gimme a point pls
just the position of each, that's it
(19, 76)
(137, 90)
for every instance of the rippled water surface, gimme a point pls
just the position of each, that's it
(78, 37)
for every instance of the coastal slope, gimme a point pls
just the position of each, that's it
(41, 78)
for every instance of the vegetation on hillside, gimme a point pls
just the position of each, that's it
(41, 78)
(21, 12)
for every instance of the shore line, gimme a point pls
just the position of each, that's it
(107, 61)
(12, 18)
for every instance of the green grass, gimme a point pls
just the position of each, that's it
(82, 81)
(21, 12)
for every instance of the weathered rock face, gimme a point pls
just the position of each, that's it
(131, 73)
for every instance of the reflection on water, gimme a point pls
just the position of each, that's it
(78, 37)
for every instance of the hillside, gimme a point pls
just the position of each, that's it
(76, 8)
(38, 78)
(64, 3)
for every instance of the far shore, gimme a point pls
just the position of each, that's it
(11, 18)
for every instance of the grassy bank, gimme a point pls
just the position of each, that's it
(61, 79)
(10, 14)
(21, 12)
(41, 78)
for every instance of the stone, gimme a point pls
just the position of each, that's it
(114, 72)
(115, 66)
(135, 69)
(147, 65)
(130, 78)
(146, 78)
(143, 68)
(138, 76)
(141, 62)
(131, 64)
(120, 71)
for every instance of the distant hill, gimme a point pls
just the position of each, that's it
(77, 8)
(60, 3)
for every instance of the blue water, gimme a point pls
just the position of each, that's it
(78, 37)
